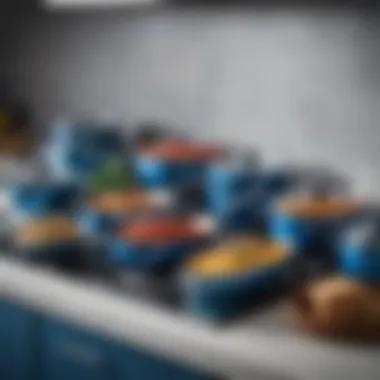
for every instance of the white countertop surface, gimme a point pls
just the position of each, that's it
(262, 346)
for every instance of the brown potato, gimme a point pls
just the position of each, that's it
(338, 306)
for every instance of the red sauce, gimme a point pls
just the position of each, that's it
(160, 230)
(181, 150)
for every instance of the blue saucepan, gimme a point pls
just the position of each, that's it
(359, 251)
(152, 257)
(95, 222)
(36, 199)
(224, 296)
(310, 231)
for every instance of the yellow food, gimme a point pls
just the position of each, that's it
(123, 201)
(46, 231)
(237, 256)
(329, 207)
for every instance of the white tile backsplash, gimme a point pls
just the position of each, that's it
(300, 85)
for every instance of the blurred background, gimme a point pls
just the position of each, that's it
(299, 82)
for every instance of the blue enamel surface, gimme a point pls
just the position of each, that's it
(306, 235)
(80, 149)
(224, 296)
(42, 198)
(249, 213)
(242, 199)
(104, 138)
(159, 174)
(234, 284)
(360, 262)
(224, 185)
(149, 256)
(94, 222)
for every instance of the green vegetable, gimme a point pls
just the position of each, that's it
(112, 175)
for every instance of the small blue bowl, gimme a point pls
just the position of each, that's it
(156, 174)
(95, 136)
(77, 161)
(243, 198)
(223, 297)
(38, 199)
(308, 235)
(150, 257)
(72, 164)
(247, 213)
(359, 262)
(94, 222)
(224, 185)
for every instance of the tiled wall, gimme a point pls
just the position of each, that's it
(300, 85)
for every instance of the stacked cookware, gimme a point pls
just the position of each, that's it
(236, 195)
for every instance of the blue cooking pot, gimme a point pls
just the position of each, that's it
(225, 184)
(240, 192)
(89, 135)
(223, 297)
(309, 234)
(38, 199)
(94, 222)
(153, 257)
(359, 252)
(72, 163)
(249, 212)
(157, 174)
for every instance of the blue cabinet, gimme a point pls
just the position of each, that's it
(18, 343)
(33, 347)
(71, 353)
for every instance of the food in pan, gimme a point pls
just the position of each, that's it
(181, 150)
(111, 176)
(47, 231)
(238, 256)
(160, 230)
(122, 202)
(319, 207)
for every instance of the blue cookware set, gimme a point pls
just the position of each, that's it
(239, 193)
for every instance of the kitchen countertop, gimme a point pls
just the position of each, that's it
(260, 346)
